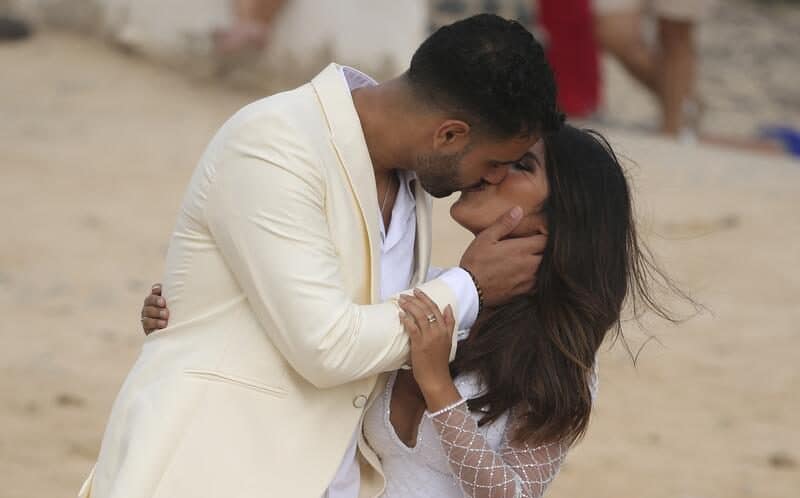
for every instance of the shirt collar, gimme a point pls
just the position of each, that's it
(403, 211)
(356, 79)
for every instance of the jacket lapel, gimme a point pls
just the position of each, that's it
(350, 145)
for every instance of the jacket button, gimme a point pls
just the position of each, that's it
(360, 401)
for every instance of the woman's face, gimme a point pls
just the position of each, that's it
(525, 186)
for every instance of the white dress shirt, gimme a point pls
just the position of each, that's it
(397, 268)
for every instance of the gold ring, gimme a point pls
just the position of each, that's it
(431, 318)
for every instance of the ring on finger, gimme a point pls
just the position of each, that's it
(431, 318)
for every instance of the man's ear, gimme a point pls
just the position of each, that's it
(451, 134)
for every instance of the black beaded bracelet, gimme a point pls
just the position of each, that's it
(477, 288)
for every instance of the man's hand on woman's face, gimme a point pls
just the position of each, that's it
(155, 314)
(504, 268)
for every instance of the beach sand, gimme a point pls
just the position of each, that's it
(97, 148)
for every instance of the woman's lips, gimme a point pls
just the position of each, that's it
(475, 188)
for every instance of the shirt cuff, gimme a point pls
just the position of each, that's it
(466, 294)
(434, 272)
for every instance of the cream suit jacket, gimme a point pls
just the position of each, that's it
(277, 335)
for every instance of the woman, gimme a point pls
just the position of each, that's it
(500, 419)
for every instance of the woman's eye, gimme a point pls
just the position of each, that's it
(523, 166)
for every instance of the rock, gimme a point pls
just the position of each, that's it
(70, 400)
(31, 408)
(782, 460)
(136, 285)
(653, 439)
(81, 450)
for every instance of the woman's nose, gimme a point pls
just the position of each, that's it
(496, 175)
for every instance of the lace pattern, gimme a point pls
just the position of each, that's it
(453, 457)
(516, 470)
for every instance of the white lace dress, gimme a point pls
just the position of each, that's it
(453, 457)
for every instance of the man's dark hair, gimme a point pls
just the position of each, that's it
(490, 72)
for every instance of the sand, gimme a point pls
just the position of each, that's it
(98, 147)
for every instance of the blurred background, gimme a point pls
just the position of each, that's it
(105, 105)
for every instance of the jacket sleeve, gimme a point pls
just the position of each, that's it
(266, 211)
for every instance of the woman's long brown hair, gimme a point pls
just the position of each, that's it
(537, 352)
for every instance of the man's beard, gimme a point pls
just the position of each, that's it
(438, 174)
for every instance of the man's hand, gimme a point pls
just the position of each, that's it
(504, 268)
(155, 314)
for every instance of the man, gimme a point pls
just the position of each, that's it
(305, 216)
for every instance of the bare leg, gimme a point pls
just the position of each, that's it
(677, 72)
(251, 26)
(263, 11)
(620, 34)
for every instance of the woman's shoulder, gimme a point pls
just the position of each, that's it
(469, 385)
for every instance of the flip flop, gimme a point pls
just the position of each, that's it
(786, 135)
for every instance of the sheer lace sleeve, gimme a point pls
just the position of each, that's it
(516, 470)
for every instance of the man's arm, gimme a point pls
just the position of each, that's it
(466, 295)
(265, 209)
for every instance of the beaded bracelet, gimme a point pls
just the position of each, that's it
(446, 409)
(477, 288)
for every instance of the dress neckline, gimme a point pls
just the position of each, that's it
(387, 412)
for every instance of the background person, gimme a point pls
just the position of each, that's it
(668, 67)
(253, 20)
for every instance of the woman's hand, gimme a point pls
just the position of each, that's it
(155, 314)
(431, 335)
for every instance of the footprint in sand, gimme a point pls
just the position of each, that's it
(700, 227)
